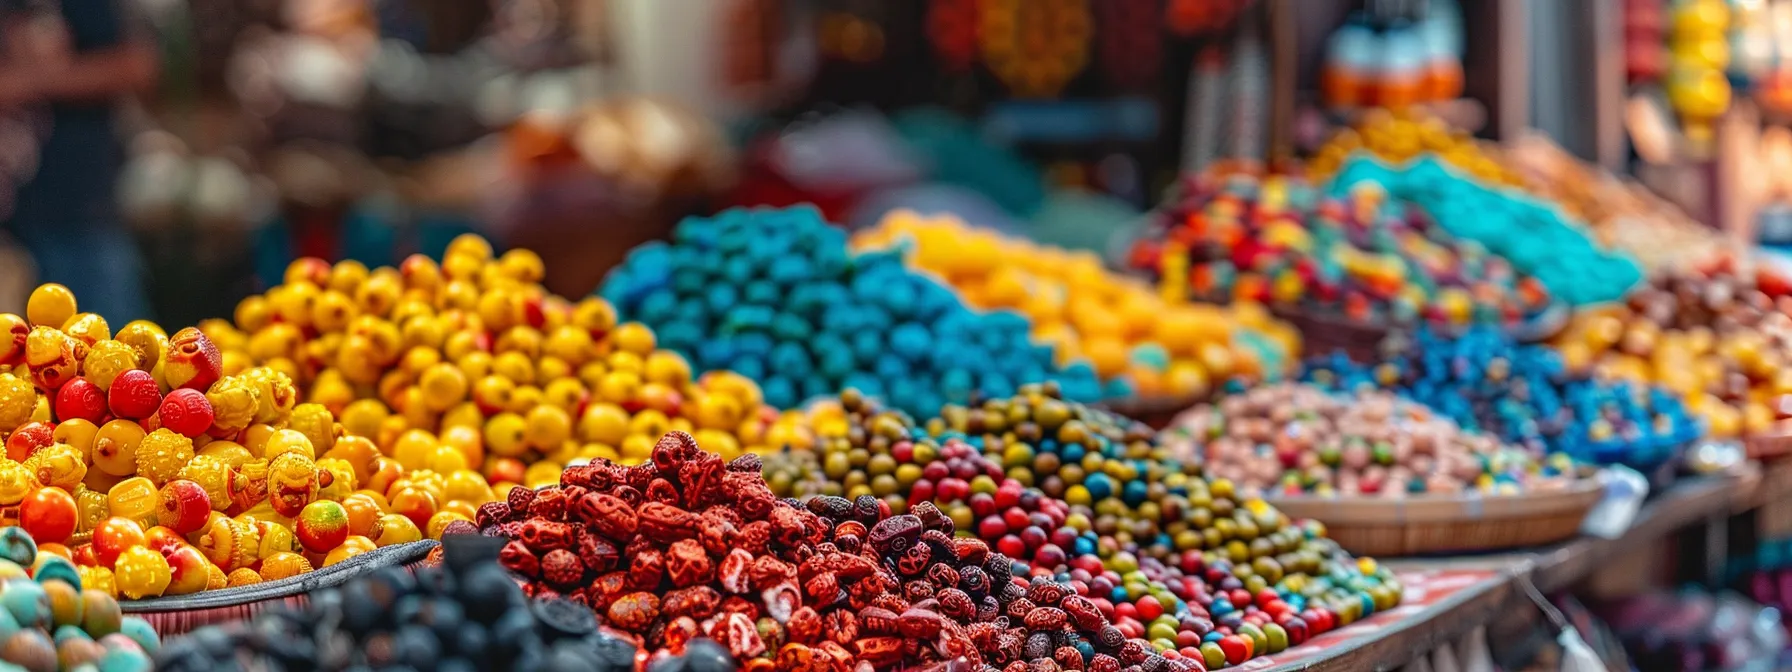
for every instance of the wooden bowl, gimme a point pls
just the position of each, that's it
(1429, 525)
(179, 614)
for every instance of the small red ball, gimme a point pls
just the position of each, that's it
(134, 395)
(79, 398)
(187, 412)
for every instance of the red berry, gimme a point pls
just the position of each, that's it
(1149, 609)
(185, 506)
(79, 398)
(1237, 648)
(1015, 518)
(49, 515)
(135, 395)
(921, 491)
(991, 528)
(187, 412)
(27, 439)
(1011, 546)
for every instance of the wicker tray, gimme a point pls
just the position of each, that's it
(1434, 525)
(180, 614)
(1155, 412)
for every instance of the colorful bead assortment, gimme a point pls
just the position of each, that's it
(1296, 439)
(470, 364)
(1716, 338)
(776, 296)
(1118, 324)
(161, 467)
(1524, 395)
(689, 546)
(1534, 236)
(52, 618)
(1180, 561)
(1278, 241)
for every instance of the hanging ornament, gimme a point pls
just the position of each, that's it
(751, 26)
(1131, 46)
(1035, 47)
(853, 34)
(1188, 18)
(952, 30)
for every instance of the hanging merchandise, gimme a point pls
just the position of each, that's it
(853, 33)
(952, 29)
(1131, 47)
(1698, 54)
(1189, 18)
(750, 44)
(1394, 57)
(1036, 47)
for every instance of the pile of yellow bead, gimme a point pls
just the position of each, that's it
(1120, 325)
(1397, 137)
(1731, 379)
(161, 467)
(470, 363)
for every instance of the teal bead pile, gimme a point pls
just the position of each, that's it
(1538, 238)
(777, 296)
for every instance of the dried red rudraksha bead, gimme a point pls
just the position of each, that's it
(768, 570)
(879, 651)
(663, 491)
(878, 621)
(491, 513)
(842, 626)
(748, 463)
(955, 604)
(739, 635)
(920, 623)
(517, 558)
(894, 535)
(1134, 651)
(1046, 592)
(1047, 618)
(805, 626)
(1068, 658)
(697, 602)
(646, 569)
(598, 554)
(520, 499)
(550, 503)
(634, 611)
(542, 536)
(734, 571)
(687, 564)
(755, 537)
(562, 569)
(664, 522)
(1102, 662)
(608, 515)
(673, 449)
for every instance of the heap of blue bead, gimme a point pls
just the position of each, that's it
(777, 296)
(1523, 394)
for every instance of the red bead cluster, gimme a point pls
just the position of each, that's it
(687, 546)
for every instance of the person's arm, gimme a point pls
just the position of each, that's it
(105, 62)
(99, 75)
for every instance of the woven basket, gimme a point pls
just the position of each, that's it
(1436, 525)
(180, 614)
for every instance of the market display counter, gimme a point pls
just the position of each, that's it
(1448, 597)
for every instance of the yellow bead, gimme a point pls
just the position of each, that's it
(50, 305)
